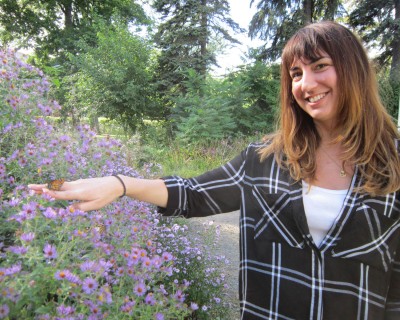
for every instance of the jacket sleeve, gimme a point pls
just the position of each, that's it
(393, 298)
(213, 192)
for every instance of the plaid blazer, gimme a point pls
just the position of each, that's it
(353, 274)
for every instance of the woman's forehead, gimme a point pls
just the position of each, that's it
(307, 58)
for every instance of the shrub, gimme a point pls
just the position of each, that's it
(61, 263)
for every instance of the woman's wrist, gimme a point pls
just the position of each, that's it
(122, 183)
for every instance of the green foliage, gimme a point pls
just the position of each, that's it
(378, 22)
(254, 89)
(114, 79)
(55, 26)
(242, 104)
(276, 21)
(202, 114)
(185, 38)
(389, 93)
(185, 160)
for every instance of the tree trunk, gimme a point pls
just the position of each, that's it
(308, 11)
(395, 66)
(331, 8)
(94, 124)
(67, 9)
(203, 39)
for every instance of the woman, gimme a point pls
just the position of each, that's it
(319, 199)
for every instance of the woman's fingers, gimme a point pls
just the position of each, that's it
(88, 205)
(37, 188)
(90, 194)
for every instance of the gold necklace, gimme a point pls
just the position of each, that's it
(342, 171)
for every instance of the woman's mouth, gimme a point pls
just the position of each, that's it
(316, 98)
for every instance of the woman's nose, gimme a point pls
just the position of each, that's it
(308, 81)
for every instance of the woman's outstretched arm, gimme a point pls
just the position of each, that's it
(95, 193)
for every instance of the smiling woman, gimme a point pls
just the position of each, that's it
(319, 199)
(314, 88)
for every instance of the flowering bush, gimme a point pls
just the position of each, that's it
(121, 262)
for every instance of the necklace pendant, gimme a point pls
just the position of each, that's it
(343, 173)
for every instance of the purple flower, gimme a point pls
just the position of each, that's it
(194, 306)
(147, 263)
(62, 274)
(140, 289)
(49, 213)
(159, 316)
(50, 251)
(64, 139)
(21, 250)
(29, 210)
(96, 312)
(30, 149)
(4, 310)
(28, 237)
(166, 256)
(128, 306)
(63, 310)
(105, 295)
(2, 170)
(120, 272)
(89, 285)
(89, 266)
(150, 299)
(69, 157)
(12, 270)
(179, 296)
(217, 300)
(73, 278)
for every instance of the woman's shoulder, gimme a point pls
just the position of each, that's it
(256, 147)
(255, 150)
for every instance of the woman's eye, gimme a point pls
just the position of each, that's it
(295, 75)
(321, 66)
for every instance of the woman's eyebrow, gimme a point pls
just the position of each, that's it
(294, 68)
(311, 61)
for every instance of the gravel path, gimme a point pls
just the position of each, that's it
(229, 247)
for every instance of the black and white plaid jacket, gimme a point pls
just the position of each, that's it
(353, 274)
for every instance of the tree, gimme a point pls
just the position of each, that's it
(379, 24)
(185, 35)
(277, 20)
(53, 27)
(114, 78)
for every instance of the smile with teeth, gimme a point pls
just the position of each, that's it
(316, 98)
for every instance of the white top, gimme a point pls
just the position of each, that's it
(322, 207)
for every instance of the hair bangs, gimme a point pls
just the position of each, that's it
(305, 45)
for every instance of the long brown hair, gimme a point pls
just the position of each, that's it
(366, 130)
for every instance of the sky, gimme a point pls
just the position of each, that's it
(242, 14)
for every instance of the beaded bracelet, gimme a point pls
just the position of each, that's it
(123, 184)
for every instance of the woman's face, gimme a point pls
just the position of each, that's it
(314, 87)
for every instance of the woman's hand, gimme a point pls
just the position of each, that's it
(91, 194)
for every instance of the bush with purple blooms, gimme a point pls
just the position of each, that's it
(121, 262)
